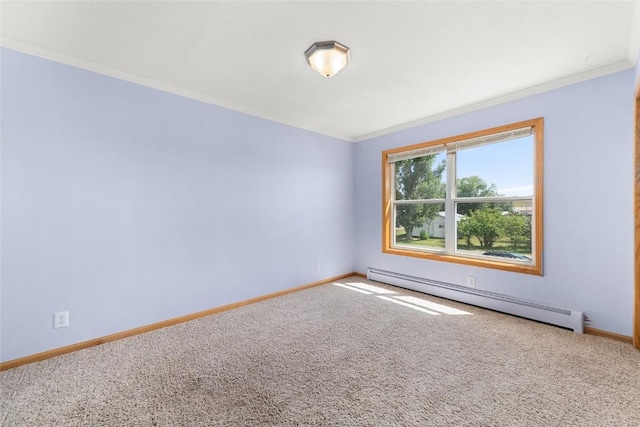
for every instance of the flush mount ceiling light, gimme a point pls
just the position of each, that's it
(327, 58)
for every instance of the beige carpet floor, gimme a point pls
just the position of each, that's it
(336, 356)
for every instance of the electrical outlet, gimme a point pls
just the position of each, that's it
(471, 281)
(317, 267)
(61, 319)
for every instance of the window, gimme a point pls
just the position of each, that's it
(473, 199)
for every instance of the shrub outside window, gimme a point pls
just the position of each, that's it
(473, 199)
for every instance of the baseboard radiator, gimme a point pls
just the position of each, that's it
(566, 318)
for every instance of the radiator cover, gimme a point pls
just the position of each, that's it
(559, 316)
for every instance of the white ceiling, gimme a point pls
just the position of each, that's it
(411, 62)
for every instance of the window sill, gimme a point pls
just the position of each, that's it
(458, 259)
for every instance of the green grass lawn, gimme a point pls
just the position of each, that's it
(499, 245)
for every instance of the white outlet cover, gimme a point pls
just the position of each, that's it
(471, 281)
(61, 319)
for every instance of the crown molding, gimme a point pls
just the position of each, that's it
(534, 90)
(54, 56)
(111, 72)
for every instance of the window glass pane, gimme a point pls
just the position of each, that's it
(501, 231)
(502, 169)
(421, 178)
(421, 226)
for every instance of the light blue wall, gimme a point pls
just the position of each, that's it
(127, 205)
(637, 79)
(588, 200)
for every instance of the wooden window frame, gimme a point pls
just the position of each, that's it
(387, 205)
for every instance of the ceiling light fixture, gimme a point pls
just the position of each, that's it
(327, 58)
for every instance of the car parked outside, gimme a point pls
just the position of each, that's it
(505, 254)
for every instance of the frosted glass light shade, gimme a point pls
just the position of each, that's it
(327, 58)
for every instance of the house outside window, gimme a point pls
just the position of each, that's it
(473, 199)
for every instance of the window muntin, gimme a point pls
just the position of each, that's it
(490, 182)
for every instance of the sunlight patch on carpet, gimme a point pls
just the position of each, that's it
(371, 288)
(353, 289)
(415, 303)
(434, 306)
(406, 304)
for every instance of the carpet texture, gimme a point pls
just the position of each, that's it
(336, 356)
